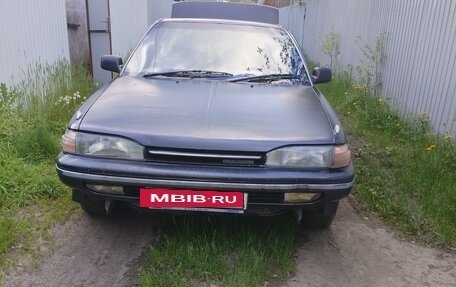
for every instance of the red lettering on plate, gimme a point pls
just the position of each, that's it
(170, 198)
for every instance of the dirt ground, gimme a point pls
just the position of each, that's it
(94, 252)
(358, 251)
(355, 251)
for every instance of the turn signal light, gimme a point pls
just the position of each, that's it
(342, 156)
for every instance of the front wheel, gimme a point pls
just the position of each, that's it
(319, 218)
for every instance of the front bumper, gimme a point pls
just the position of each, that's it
(265, 186)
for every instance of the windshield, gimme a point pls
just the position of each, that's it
(239, 50)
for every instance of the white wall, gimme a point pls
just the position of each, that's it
(420, 71)
(30, 32)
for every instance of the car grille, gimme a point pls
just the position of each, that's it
(265, 197)
(203, 157)
(253, 197)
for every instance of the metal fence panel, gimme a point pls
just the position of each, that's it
(159, 9)
(31, 32)
(129, 21)
(420, 71)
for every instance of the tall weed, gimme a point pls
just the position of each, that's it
(35, 112)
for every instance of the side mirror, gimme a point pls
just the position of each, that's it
(111, 63)
(321, 75)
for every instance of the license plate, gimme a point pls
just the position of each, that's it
(193, 200)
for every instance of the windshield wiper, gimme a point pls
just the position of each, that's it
(189, 74)
(265, 78)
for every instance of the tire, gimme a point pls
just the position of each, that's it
(93, 206)
(319, 218)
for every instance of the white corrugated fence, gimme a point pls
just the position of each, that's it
(419, 73)
(31, 32)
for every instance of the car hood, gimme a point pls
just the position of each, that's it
(209, 114)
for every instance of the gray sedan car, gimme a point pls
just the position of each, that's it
(210, 115)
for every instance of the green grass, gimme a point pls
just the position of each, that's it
(403, 174)
(225, 251)
(33, 115)
(8, 235)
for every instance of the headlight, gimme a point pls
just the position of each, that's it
(101, 146)
(310, 157)
(302, 156)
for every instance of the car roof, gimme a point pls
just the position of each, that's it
(220, 21)
(226, 11)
